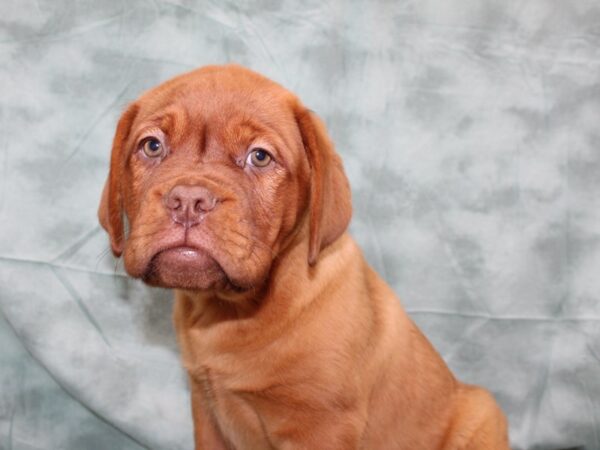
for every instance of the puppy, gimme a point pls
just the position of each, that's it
(234, 196)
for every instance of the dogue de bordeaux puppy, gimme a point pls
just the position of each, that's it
(225, 187)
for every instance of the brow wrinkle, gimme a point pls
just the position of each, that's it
(203, 138)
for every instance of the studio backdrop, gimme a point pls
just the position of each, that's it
(470, 131)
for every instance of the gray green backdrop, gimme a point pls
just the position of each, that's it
(470, 131)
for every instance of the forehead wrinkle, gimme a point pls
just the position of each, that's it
(275, 118)
(249, 127)
(174, 122)
(284, 131)
(250, 130)
(236, 118)
(243, 132)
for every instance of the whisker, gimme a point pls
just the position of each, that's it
(101, 256)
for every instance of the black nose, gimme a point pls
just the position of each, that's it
(188, 204)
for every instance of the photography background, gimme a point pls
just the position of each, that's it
(470, 134)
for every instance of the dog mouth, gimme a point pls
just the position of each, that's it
(197, 259)
(184, 267)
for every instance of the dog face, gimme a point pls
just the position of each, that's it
(217, 172)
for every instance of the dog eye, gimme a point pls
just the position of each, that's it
(152, 148)
(259, 157)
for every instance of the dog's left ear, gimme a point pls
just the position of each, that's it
(330, 196)
(110, 212)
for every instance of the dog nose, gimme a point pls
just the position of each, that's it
(188, 204)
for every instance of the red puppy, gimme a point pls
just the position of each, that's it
(235, 197)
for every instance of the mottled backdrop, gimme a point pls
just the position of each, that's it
(470, 131)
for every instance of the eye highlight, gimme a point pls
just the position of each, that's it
(259, 157)
(152, 147)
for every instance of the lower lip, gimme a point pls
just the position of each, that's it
(182, 257)
(185, 251)
(183, 267)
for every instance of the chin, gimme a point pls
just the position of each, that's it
(185, 268)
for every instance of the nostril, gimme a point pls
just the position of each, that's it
(173, 202)
(204, 204)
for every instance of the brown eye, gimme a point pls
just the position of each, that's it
(259, 157)
(152, 148)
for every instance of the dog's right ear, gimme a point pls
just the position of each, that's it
(110, 212)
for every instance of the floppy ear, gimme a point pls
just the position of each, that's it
(330, 197)
(110, 212)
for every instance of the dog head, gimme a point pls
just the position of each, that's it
(213, 174)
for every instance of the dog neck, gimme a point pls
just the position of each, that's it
(272, 306)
